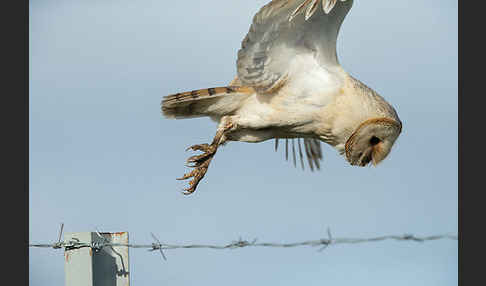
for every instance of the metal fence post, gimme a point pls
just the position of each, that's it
(86, 266)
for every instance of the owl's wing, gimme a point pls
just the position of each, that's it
(312, 149)
(283, 29)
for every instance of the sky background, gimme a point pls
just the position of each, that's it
(103, 157)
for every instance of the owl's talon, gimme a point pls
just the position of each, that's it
(199, 147)
(201, 158)
(188, 191)
(196, 158)
(187, 176)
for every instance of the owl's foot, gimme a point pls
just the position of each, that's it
(201, 162)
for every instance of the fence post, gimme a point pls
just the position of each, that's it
(87, 267)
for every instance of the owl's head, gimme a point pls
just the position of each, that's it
(372, 141)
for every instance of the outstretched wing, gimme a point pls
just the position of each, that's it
(312, 149)
(284, 29)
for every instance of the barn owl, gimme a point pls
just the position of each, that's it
(290, 85)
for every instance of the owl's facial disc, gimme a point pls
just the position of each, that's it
(372, 141)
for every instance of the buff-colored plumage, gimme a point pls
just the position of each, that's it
(290, 85)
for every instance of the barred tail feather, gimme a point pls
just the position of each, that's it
(217, 101)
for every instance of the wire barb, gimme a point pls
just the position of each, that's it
(326, 242)
(59, 244)
(157, 246)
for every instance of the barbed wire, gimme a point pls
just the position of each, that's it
(240, 243)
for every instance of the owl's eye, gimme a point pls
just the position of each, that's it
(374, 140)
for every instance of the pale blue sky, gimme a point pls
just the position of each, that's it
(102, 156)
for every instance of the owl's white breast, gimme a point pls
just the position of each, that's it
(308, 89)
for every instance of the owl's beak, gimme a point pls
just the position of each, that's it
(366, 157)
(373, 154)
(362, 159)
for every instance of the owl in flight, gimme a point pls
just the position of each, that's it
(289, 85)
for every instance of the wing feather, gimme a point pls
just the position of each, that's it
(279, 33)
(312, 148)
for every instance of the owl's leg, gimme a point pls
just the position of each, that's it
(200, 163)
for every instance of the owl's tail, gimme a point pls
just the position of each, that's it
(217, 101)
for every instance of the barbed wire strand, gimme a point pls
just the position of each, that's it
(240, 243)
